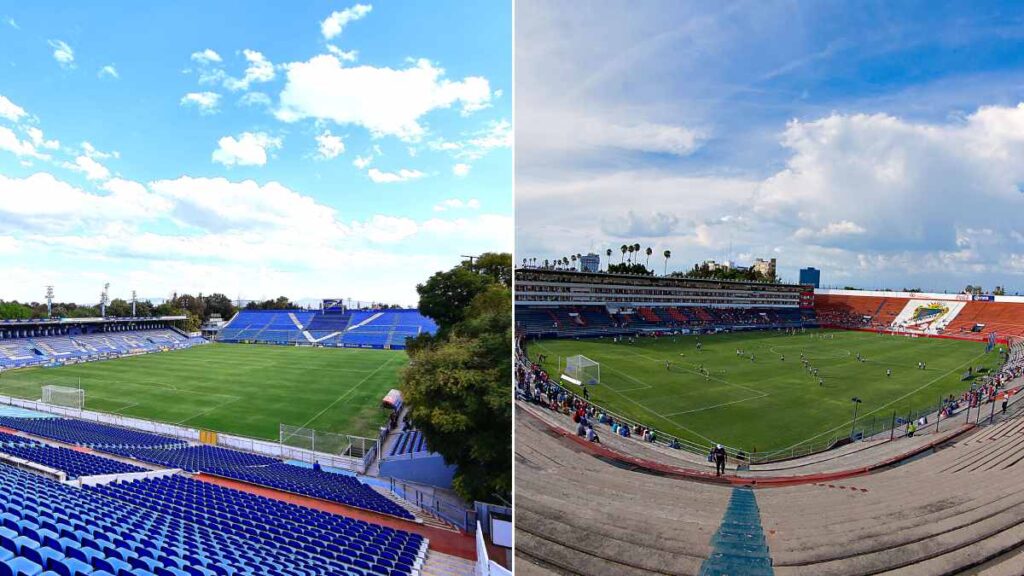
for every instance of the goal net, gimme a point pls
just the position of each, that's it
(582, 370)
(64, 396)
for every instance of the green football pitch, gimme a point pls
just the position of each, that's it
(234, 388)
(771, 402)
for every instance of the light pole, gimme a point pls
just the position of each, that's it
(856, 404)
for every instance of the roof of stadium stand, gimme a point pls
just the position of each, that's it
(91, 320)
(578, 274)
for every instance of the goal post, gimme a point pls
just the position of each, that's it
(65, 396)
(582, 370)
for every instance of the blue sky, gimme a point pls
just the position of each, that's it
(311, 149)
(878, 141)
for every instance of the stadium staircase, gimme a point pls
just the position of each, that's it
(441, 564)
(428, 517)
(739, 545)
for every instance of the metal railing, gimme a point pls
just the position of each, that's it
(437, 503)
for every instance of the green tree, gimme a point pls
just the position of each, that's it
(119, 308)
(14, 311)
(218, 303)
(458, 382)
(445, 297)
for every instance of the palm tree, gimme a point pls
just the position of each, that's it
(609, 254)
(623, 248)
(547, 263)
(649, 252)
(668, 254)
(631, 250)
(573, 261)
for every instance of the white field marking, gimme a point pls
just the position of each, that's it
(645, 408)
(349, 391)
(774, 350)
(671, 414)
(133, 405)
(715, 378)
(887, 404)
(208, 410)
(673, 422)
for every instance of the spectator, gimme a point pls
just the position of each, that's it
(719, 456)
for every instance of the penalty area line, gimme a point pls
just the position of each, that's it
(712, 407)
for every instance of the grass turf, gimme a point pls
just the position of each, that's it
(234, 388)
(769, 403)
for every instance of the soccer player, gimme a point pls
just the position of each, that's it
(888, 371)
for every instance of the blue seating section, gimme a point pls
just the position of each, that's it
(317, 484)
(252, 468)
(74, 463)
(194, 458)
(13, 440)
(409, 442)
(92, 434)
(175, 526)
(270, 326)
(50, 348)
(356, 328)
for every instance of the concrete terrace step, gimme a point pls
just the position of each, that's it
(440, 564)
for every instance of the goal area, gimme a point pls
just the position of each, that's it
(65, 396)
(581, 370)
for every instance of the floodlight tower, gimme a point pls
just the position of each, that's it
(104, 299)
(49, 301)
(134, 298)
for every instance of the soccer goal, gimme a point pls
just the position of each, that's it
(64, 396)
(582, 370)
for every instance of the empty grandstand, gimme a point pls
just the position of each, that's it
(197, 509)
(25, 343)
(382, 329)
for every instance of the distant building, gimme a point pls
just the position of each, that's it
(590, 263)
(713, 266)
(765, 267)
(810, 276)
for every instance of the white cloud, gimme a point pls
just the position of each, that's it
(42, 202)
(92, 152)
(259, 70)
(39, 141)
(255, 99)
(219, 204)
(92, 169)
(10, 22)
(402, 175)
(866, 197)
(249, 149)
(497, 134)
(385, 101)
(362, 162)
(457, 204)
(63, 53)
(344, 56)
(109, 71)
(336, 22)
(22, 148)
(385, 229)
(205, 102)
(10, 110)
(329, 146)
(461, 170)
(207, 56)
